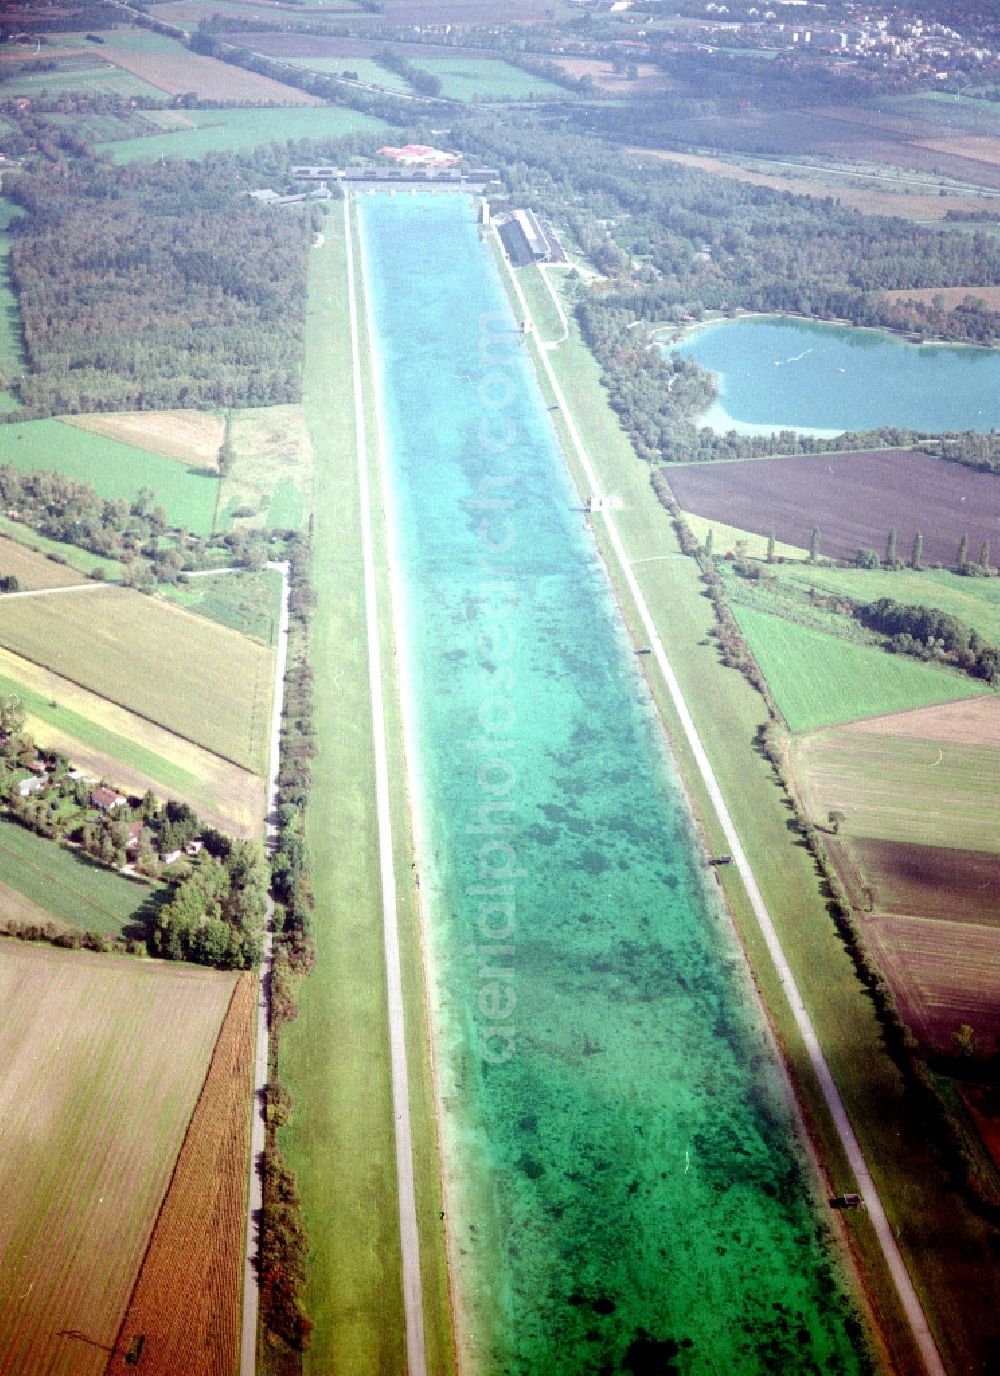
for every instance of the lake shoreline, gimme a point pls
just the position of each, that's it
(858, 379)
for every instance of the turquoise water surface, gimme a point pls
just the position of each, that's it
(626, 1189)
(775, 373)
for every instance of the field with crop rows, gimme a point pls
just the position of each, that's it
(103, 1063)
(818, 679)
(894, 788)
(854, 499)
(904, 879)
(186, 1301)
(195, 678)
(114, 469)
(109, 742)
(175, 70)
(944, 974)
(84, 75)
(227, 131)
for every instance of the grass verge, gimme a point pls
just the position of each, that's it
(335, 1058)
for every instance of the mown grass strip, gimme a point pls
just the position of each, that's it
(335, 1057)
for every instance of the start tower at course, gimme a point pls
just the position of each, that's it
(625, 1184)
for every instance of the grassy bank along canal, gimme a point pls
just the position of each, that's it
(625, 1180)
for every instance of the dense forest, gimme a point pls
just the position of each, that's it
(156, 286)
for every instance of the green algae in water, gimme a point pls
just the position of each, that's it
(629, 1193)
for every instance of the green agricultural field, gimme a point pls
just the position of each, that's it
(270, 480)
(80, 560)
(92, 126)
(202, 681)
(113, 469)
(218, 131)
(892, 788)
(819, 679)
(976, 601)
(365, 68)
(487, 78)
(246, 602)
(75, 890)
(80, 75)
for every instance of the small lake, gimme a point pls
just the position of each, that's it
(775, 373)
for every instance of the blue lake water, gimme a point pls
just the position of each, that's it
(626, 1191)
(775, 373)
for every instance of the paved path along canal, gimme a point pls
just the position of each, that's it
(866, 1186)
(413, 1302)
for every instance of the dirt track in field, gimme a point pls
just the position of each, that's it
(186, 1301)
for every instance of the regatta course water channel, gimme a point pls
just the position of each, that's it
(625, 1187)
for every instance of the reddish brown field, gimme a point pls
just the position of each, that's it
(854, 498)
(210, 79)
(186, 1302)
(983, 1103)
(943, 974)
(929, 881)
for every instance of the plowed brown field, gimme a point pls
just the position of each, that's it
(925, 881)
(943, 974)
(186, 1302)
(854, 496)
